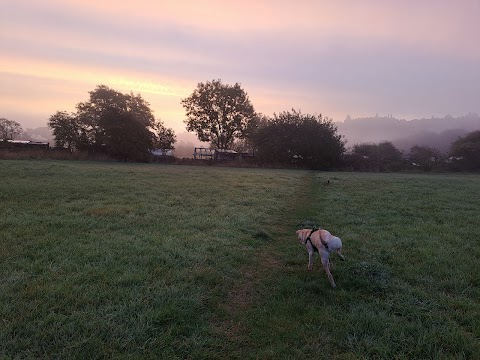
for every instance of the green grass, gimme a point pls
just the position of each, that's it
(108, 260)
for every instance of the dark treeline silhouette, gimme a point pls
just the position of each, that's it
(380, 157)
(122, 126)
(223, 116)
(299, 140)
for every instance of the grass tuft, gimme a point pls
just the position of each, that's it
(262, 235)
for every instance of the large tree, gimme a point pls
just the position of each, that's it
(293, 138)
(9, 129)
(104, 100)
(219, 113)
(466, 151)
(121, 125)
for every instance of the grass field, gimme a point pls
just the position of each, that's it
(108, 260)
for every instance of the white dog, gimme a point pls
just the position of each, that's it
(325, 243)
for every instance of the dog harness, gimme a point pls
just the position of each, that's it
(311, 243)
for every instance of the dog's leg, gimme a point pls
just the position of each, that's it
(326, 267)
(310, 260)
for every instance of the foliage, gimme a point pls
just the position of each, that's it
(121, 125)
(292, 138)
(9, 129)
(103, 98)
(125, 137)
(466, 151)
(246, 144)
(164, 137)
(219, 113)
(66, 130)
(95, 113)
(376, 157)
(425, 157)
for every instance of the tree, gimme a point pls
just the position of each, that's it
(65, 129)
(126, 138)
(164, 137)
(102, 100)
(218, 113)
(121, 125)
(466, 151)
(292, 138)
(390, 157)
(246, 143)
(424, 156)
(376, 157)
(9, 129)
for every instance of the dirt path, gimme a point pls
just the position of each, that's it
(245, 293)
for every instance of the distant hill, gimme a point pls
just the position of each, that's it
(434, 132)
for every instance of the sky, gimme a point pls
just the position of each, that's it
(409, 58)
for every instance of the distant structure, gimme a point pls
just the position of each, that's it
(162, 152)
(24, 145)
(202, 153)
(162, 155)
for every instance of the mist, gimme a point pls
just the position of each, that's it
(434, 132)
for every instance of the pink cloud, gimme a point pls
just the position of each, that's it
(329, 57)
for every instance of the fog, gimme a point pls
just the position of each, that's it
(438, 133)
(434, 132)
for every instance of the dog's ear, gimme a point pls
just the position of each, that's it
(300, 235)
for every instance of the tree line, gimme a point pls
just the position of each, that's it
(123, 126)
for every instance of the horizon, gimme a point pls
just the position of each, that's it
(412, 60)
(403, 134)
(348, 117)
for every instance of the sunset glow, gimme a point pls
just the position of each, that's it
(410, 59)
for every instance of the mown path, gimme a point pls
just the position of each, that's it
(245, 298)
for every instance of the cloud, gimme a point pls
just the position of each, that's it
(408, 57)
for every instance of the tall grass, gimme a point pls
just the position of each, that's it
(160, 261)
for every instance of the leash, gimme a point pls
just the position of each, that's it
(310, 240)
